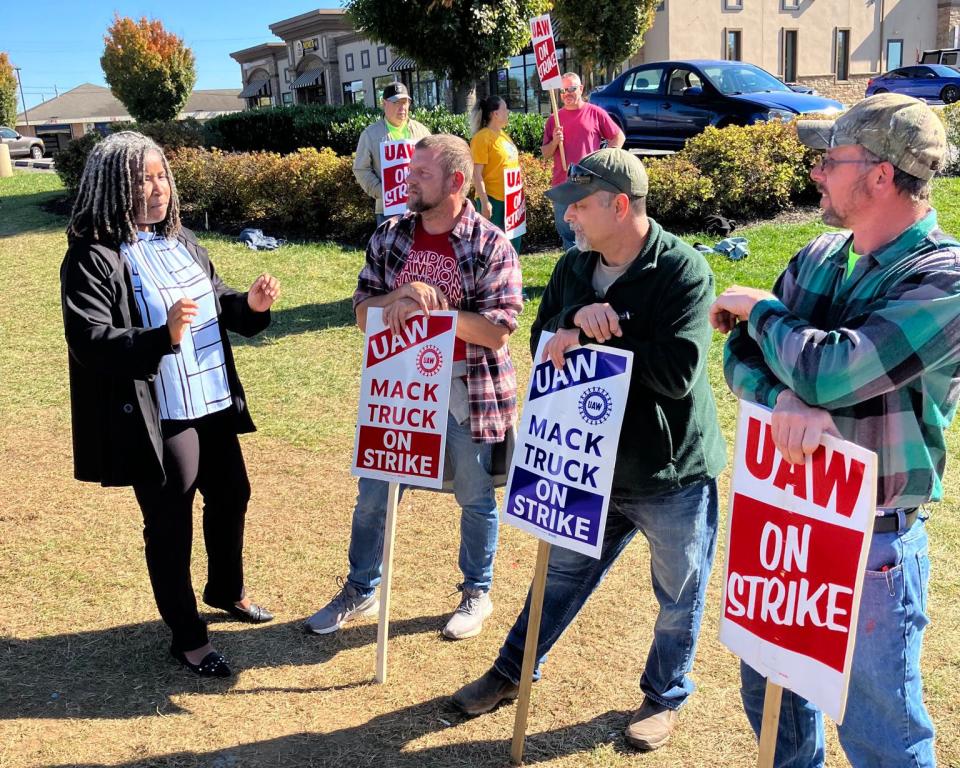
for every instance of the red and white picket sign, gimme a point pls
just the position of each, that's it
(515, 203)
(404, 397)
(797, 542)
(545, 50)
(394, 168)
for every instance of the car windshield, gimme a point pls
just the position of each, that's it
(942, 70)
(734, 79)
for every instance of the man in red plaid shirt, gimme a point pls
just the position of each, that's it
(442, 255)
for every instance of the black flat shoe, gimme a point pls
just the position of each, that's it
(213, 664)
(253, 613)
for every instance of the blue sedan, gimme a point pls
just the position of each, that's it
(932, 82)
(664, 103)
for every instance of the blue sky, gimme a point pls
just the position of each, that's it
(60, 43)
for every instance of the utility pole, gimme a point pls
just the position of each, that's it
(26, 120)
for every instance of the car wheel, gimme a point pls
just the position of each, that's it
(36, 152)
(880, 90)
(950, 94)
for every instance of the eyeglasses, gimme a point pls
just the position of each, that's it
(580, 175)
(571, 88)
(826, 164)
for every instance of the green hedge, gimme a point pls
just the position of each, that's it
(309, 193)
(738, 172)
(286, 129)
(742, 172)
(950, 115)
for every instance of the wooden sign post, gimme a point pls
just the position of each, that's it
(587, 396)
(530, 652)
(383, 625)
(770, 724)
(405, 376)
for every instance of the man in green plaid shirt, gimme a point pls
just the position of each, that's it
(861, 339)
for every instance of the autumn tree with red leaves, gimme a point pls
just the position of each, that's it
(149, 69)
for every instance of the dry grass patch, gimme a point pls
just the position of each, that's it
(84, 675)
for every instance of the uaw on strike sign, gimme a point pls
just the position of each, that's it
(515, 213)
(404, 396)
(797, 542)
(394, 168)
(545, 50)
(562, 471)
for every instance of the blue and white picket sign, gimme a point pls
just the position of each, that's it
(562, 471)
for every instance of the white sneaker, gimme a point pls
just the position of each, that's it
(467, 620)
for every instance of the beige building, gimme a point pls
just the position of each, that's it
(323, 60)
(265, 74)
(833, 45)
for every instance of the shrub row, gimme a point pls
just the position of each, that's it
(286, 129)
(950, 115)
(309, 193)
(738, 172)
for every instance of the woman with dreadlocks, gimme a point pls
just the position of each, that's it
(155, 398)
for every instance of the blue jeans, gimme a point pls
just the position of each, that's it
(563, 228)
(681, 528)
(473, 490)
(886, 723)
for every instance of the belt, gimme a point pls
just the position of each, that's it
(893, 521)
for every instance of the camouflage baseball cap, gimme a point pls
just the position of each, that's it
(612, 170)
(896, 128)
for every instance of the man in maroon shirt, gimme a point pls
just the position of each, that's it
(442, 255)
(582, 127)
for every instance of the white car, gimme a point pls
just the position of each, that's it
(20, 145)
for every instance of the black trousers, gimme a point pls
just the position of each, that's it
(203, 455)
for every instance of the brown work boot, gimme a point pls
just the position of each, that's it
(485, 693)
(651, 725)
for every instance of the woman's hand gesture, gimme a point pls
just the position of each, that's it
(179, 317)
(264, 291)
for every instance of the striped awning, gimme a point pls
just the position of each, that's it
(308, 79)
(402, 64)
(254, 89)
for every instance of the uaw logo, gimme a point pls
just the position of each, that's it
(429, 360)
(595, 405)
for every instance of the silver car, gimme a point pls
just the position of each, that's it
(20, 145)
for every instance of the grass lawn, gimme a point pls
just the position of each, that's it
(84, 674)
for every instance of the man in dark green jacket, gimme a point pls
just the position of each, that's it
(631, 285)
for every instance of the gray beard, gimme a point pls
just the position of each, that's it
(580, 240)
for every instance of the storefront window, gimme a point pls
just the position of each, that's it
(519, 83)
(353, 92)
(379, 83)
(425, 91)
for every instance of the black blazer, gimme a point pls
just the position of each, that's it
(113, 361)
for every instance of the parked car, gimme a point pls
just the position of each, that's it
(20, 145)
(664, 103)
(949, 56)
(933, 82)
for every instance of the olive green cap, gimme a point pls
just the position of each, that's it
(612, 170)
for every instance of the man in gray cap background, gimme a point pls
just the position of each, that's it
(632, 285)
(861, 338)
(396, 124)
